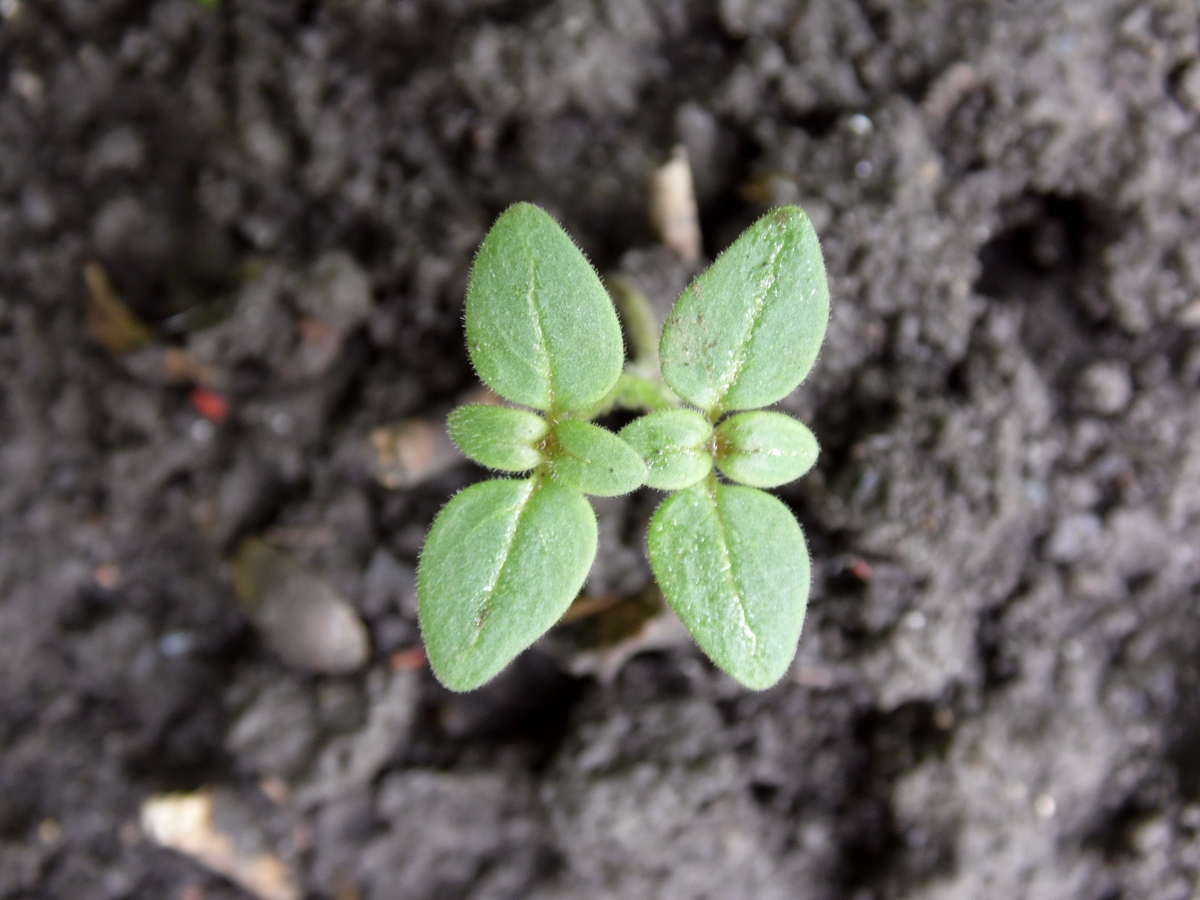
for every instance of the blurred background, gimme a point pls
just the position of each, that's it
(234, 241)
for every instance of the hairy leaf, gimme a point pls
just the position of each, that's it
(541, 329)
(732, 563)
(747, 331)
(765, 449)
(595, 461)
(502, 563)
(499, 437)
(673, 445)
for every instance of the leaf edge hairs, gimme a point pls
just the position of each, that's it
(505, 558)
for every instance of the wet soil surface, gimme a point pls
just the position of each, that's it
(998, 689)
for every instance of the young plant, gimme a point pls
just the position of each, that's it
(505, 558)
(730, 558)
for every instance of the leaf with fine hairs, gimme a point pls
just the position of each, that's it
(541, 329)
(765, 449)
(747, 330)
(503, 561)
(733, 564)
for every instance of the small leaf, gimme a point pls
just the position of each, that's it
(595, 461)
(765, 449)
(541, 329)
(673, 445)
(499, 437)
(732, 563)
(502, 563)
(747, 331)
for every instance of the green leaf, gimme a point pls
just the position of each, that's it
(541, 329)
(765, 449)
(732, 563)
(747, 331)
(499, 437)
(502, 563)
(594, 460)
(673, 445)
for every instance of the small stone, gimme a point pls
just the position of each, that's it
(860, 125)
(1045, 806)
(300, 616)
(1105, 388)
(49, 831)
(411, 452)
(107, 575)
(1075, 537)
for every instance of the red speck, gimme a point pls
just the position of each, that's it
(210, 404)
(410, 659)
(860, 569)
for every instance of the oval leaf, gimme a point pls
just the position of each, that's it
(541, 329)
(499, 437)
(595, 461)
(747, 331)
(673, 445)
(765, 449)
(502, 563)
(732, 563)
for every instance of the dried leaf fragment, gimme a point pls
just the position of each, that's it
(673, 207)
(186, 823)
(112, 324)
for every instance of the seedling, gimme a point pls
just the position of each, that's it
(505, 557)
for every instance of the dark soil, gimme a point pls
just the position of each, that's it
(1009, 199)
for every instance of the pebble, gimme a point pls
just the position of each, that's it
(411, 452)
(860, 125)
(1106, 388)
(1045, 806)
(299, 615)
(1075, 537)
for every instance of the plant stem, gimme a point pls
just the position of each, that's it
(641, 324)
(637, 393)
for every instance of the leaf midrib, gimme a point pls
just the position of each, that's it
(760, 302)
(547, 362)
(735, 587)
(510, 538)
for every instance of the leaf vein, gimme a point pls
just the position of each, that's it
(728, 569)
(546, 367)
(760, 301)
(488, 593)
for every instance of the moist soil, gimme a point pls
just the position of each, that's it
(997, 693)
